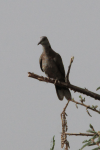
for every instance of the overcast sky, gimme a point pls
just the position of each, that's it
(29, 109)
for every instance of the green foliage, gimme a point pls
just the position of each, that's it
(82, 99)
(87, 144)
(52, 143)
(95, 140)
(85, 141)
(91, 131)
(94, 107)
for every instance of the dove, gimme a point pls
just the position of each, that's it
(52, 65)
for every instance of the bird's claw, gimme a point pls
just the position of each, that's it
(56, 81)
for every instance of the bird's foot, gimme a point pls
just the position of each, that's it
(56, 81)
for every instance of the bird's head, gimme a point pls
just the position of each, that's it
(44, 41)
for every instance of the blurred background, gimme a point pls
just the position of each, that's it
(29, 109)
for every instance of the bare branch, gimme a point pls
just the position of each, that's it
(87, 106)
(63, 84)
(64, 128)
(84, 91)
(80, 134)
(67, 76)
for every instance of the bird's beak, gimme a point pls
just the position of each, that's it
(39, 42)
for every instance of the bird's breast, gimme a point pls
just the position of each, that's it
(50, 68)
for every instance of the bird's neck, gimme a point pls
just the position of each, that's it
(47, 49)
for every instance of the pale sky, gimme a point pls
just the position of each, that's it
(29, 109)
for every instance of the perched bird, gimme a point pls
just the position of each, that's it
(51, 63)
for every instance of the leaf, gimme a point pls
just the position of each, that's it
(91, 131)
(98, 88)
(85, 141)
(80, 96)
(94, 107)
(88, 112)
(91, 127)
(87, 144)
(52, 143)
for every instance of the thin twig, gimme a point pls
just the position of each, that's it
(67, 76)
(80, 134)
(65, 108)
(87, 106)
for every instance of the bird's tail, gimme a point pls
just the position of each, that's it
(61, 92)
(67, 93)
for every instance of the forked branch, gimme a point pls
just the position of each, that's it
(68, 85)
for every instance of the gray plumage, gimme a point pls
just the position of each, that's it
(51, 63)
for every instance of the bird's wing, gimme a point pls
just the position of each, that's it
(59, 63)
(40, 62)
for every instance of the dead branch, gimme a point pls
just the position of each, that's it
(80, 134)
(67, 76)
(63, 84)
(64, 129)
